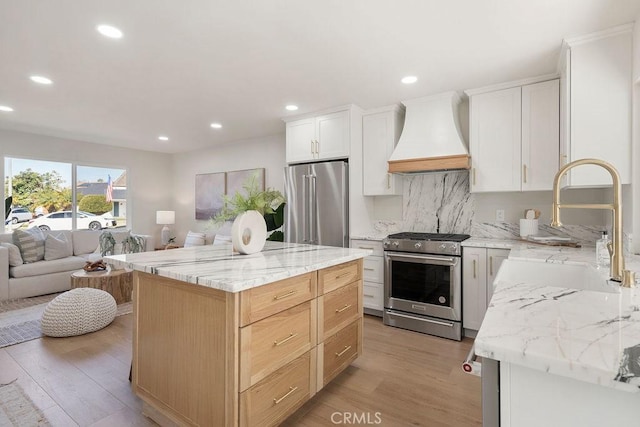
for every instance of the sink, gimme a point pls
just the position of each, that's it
(574, 276)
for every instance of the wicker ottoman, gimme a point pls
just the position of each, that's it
(78, 311)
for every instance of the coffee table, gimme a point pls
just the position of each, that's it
(119, 283)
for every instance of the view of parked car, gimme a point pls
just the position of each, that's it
(17, 215)
(62, 221)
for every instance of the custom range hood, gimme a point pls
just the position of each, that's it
(431, 139)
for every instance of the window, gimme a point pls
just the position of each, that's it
(43, 195)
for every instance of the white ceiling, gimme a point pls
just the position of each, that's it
(184, 64)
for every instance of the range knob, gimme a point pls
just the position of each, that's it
(453, 247)
(443, 246)
(385, 244)
(418, 245)
(395, 244)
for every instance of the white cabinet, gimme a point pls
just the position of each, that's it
(373, 285)
(596, 72)
(514, 137)
(479, 268)
(381, 130)
(322, 137)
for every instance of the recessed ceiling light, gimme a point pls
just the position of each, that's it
(291, 107)
(163, 138)
(216, 125)
(409, 79)
(41, 80)
(109, 31)
(6, 109)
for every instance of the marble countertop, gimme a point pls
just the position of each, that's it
(586, 335)
(216, 266)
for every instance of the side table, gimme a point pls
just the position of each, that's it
(119, 283)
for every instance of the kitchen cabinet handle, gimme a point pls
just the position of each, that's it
(474, 176)
(290, 337)
(368, 269)
(563, 159)
(365, 247)
(312, 148)
(288, 294)
(474, 268)
(524, 173)
(291, 391)
(318, 148)
(368, 296)
(340, 310)
(347, 348)
(388, 181)
(490, 266)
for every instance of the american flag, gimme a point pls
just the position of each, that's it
(109, 194)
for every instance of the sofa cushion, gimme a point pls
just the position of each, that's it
(85, 241)
(194, 239)
(31, 244)
(56, 247)
(47, 267)
(15, 258)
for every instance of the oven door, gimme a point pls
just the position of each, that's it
(423, 284)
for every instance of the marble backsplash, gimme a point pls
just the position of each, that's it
(441, 202)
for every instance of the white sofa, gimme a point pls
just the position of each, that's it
(45, 277)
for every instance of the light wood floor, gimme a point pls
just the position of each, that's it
(409, 379)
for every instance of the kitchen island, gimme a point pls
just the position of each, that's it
(225, 339)
(567, 341)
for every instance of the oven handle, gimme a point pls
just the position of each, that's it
(437, 322)
(439, 260)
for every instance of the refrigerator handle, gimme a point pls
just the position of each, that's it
(312, 210)
(304, 218)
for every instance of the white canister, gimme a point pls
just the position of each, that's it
(528, 227)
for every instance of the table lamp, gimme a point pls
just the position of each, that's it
(165, 218)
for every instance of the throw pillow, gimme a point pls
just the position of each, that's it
(56, 247)
(194, 239)
(31, 244)
(15, 259)
(221, 239)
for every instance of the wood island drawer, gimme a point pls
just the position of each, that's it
(339, 275)
(340, 350)
(270, 343)
(280, 394)
(263, 301)
(338, 308)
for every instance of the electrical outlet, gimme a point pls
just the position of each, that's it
(500, 215)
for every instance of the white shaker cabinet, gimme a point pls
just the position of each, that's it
(479, 268)
(596, 74)
(373, 275)
(381, 130)
(321, 137)
(514, 137)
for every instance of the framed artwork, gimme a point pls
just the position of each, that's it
(237, 179)
(209, 190)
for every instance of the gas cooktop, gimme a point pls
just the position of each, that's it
(436, 237)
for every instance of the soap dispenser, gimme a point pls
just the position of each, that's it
(603, 258)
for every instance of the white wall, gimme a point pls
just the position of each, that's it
(148, 173)
(266, 152)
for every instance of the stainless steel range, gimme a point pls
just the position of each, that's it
(423, 283)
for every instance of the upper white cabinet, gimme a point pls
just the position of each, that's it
(321, 137)
(596, 73)
(381, 130)
(514, 136)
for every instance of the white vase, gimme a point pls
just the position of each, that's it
(249, 232)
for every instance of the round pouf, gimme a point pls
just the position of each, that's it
(78, 311)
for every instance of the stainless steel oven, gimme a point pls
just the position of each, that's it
(423, 283)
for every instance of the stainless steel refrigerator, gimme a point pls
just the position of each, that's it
(317, 204)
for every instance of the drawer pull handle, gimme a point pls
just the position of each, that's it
(288, 294)
(290, 337)
(365, 247)
(368, 269)
(340, 310)
(368, 296)
(291, 391)
(474, 268)
(347, 348)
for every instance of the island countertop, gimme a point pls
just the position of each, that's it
(586, 335)
(218, 267)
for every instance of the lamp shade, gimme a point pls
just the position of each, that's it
(165, 217)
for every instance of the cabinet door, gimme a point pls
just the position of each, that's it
(380, 134)
(474, 287)
(332, 134)
(540, 135)
(600, 109)
(495, 134)
(300, 136)
(494, 261)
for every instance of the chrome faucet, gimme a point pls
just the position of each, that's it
(617, 272)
